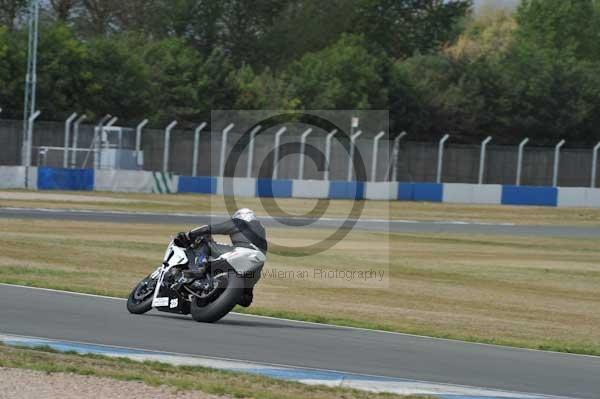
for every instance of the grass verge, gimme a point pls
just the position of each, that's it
(185, 378)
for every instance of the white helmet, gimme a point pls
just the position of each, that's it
(245, 214)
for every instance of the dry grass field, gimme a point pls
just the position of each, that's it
(531, 292)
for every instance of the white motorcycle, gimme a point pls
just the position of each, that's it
(208, 293)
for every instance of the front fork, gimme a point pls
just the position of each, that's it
(159, 275)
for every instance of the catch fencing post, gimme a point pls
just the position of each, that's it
(29, 142)
(556, 162)
(166, 146)
(108, 124)
(276, 151)
(594, 164)
(441, 157)
(484, 144)
(328, 152)
(520, 160)
(396, 155)
(99, 126)
(351, 155)
(375, 155)
(196, 148)
(302, 147)
(138, 143)
(251, 151)
(223, 149)
(76, 140)
(94, 145)
(67, 137)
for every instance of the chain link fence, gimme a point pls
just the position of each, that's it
(417, 162)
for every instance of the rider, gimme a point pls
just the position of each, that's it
(249, 247)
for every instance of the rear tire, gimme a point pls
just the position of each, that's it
(137, 306)
(224, 303)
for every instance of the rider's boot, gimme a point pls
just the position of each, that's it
(247, 297)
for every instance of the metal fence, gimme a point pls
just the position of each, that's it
(200, 151)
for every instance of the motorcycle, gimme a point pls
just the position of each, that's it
(208, 295)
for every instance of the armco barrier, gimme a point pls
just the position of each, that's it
(406, 192)
(381, 191)
(202, 184)
(459, 193)
(142, 181)
(164, 183)
(236, 186)
(274, 188)
(310, 188)
(346, 190)
(578, 197)
(527, 195)
(65, 179)
(12, 177)
(131, 181)
(428, 192)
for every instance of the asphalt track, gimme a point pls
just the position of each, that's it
(395, 226)
(101, 320)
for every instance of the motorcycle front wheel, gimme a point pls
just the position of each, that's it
(140, 299)
(223, 303)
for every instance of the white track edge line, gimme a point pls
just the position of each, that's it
(250, 362)
(219, 215)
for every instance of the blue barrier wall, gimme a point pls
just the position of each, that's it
(429, 192)
(346, 190)
(65, 179)
(85, 179)
(273, 188)
(201, 184)
(527, 195)
(406, 192)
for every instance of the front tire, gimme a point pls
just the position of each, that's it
(223, 304)
(140, 301)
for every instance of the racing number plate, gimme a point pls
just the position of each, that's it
(162, 301)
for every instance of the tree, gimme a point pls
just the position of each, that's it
(97, 16)
(305, 26)
(172, 69)
(405, 27)
(344, 75)
(263, 91)
(10, 10)
(244, 26)
(566, 26)
(62, 9)
(215, 90)
(13, 47)
(491, 35)
(118, 79)
(62, 73)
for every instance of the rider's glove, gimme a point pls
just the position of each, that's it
(198, 232)
(182, 240)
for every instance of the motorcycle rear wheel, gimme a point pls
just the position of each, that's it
(223, 304)
(137, 302)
